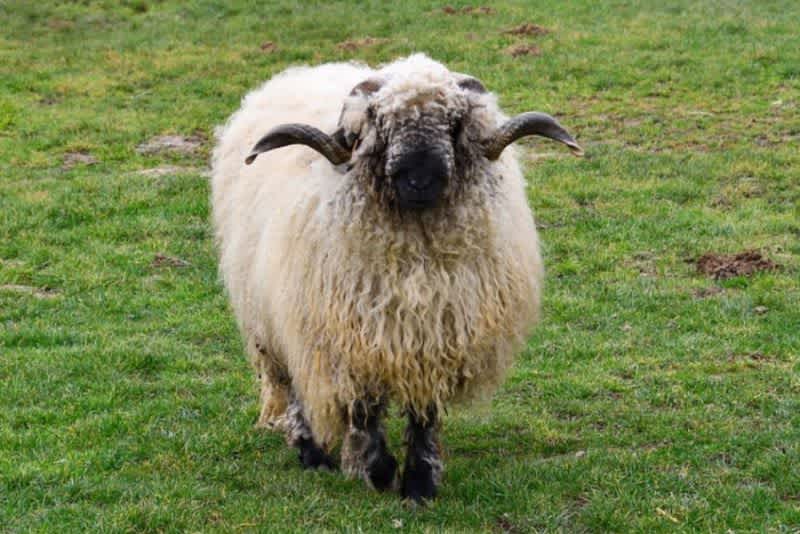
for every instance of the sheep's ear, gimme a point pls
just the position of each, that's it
(530, 123)
(301, 134)
(472, 84)
(367, 87)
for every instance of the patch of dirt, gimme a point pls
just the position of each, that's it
(469, 10)
(523, 50)
(49, 100)
(71, 159)
(527, 28)
(177, 144)
(705, 292)
(162, 260)
(352, 45)
(164, 170)
(504, 524)
(721, 266)
(60, 24)
(38, 292)
(268, 47)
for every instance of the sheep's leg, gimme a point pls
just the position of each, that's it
(364, 451)
(423, 468)
(298, 434)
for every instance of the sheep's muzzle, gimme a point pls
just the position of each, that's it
(419, 178)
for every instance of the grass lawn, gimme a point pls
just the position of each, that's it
(652, 397)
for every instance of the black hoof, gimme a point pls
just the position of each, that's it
(312, 457)
(418, 485)
(382, 471)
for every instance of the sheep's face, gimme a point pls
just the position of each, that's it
(416, 136)
(408, 153)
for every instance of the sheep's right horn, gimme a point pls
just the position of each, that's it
(530, 123)
(300, 134)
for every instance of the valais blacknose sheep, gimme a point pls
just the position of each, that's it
(394, 259)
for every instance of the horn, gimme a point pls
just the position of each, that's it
(530, 123)
(300, 134)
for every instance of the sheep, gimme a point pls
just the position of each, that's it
(393, 260)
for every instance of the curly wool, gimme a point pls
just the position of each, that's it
(344, 300)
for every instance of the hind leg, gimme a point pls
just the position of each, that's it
(298, 434)
(364, 451)
(274, 381)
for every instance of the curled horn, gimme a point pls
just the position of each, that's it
(530, 123)
(301, 134)
(334, 147)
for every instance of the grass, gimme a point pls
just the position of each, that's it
(651, 398)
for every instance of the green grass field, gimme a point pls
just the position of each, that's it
(651, 398)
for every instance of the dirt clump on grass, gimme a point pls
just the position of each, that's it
(469, 10)
(162, 260)
(166, 170)
(504, 524)
(171, 143)
(38, 292)
(352, 45)
(527, 28)
(71, 159)
(721, 266)
(268, 47)
(705, 292)
(524, 50)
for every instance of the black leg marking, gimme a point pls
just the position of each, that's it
(298, 434)
(313, 457)
(423, 468)
(365, 454)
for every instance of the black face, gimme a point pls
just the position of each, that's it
(419, 179)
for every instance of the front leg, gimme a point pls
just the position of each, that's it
(364, 451)
(298, 434)
(423, 469)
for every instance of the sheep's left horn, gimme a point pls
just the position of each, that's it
(530, 123)
(300, 134)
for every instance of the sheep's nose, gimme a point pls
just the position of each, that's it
(419, 178)
(421, 168)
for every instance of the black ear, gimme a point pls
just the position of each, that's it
(301, 134)
(472, 84)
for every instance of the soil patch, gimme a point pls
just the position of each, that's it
(722, 266)
(528, 28)
(177, 144)
(71, 159)
(705, 292)
(162, 260)
(355, 44)
(469, 10)
(164, 170)
(268, 47)
(38, 292)
(523, 50)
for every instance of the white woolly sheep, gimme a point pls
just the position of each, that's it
(397, 261)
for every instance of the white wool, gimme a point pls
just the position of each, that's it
(336, 297)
